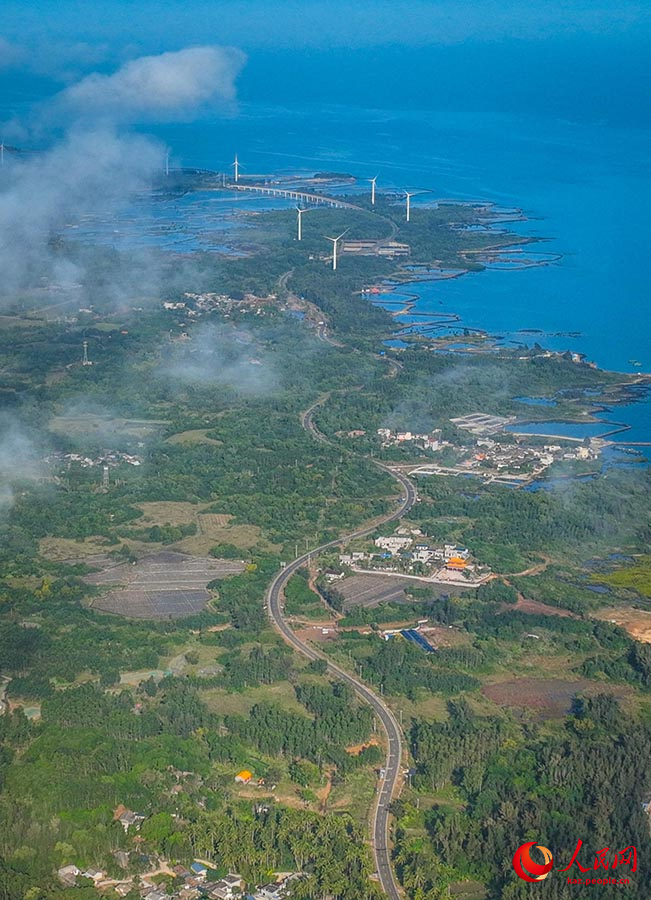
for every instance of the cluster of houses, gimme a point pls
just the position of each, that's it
(406, 547)
(389, 438)
(205, 302)
(110, 458)
(408, 552)
(196, 881)
(516, 458)
(487, 457)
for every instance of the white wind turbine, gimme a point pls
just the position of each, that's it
(373, 182)
(236, 168)
(334, 247)
(408, 196)
(299, 221)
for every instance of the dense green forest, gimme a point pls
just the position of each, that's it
(507, 785)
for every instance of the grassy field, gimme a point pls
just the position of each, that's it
(355, 794)
(194, 436)
(431, 707)
(163, 513)
(635, 578)
(225, 702)
(212, 528)
(58, 549)
(18, 322)
(104, 427)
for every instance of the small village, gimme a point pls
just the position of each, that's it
(108, 458)
(408, 552)
(164, 881)
(489, 458)
(207, 302)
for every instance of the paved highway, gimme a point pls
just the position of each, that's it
(388, 786)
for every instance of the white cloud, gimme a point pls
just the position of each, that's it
(167, 86)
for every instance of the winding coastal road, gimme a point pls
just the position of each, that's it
(275, 607)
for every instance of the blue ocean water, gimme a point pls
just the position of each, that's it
(585, 188)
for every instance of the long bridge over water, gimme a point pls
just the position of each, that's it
(291, 194)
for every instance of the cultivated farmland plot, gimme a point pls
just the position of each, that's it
(164, 585)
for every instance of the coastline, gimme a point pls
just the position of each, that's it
(433, 324)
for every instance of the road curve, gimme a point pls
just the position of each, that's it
(274, 604)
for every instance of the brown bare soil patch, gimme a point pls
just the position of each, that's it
(551, 698)
(356, 749)
(637, 622)
(318, 634)
(535, 607)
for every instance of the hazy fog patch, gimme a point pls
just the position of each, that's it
(20, 458)
(220, 355)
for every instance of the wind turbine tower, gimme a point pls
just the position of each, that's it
(236, 168)
(409, 196)
(2, 154)
(167, 163)
(335, 240)
(299, 222)
(373, 181)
